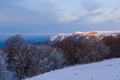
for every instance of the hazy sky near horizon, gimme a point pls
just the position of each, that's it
(55, 16)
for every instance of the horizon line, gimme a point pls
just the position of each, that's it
(6, 33)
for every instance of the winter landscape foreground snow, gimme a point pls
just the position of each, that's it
(104, 70)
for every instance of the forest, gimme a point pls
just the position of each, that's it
(20, 59)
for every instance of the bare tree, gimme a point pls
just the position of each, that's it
(83, 51)
(92, 50)
(43, 59)
(15, 47)
(5, 74)
(113, 42)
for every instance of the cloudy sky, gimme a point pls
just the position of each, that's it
(54, 16)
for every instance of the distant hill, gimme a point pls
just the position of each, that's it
(79, 35)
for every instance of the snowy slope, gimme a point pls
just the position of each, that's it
(105, 70)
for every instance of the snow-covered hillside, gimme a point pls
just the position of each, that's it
(105, 70)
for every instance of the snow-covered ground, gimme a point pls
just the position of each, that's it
(105, 70)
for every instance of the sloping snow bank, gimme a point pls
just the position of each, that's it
(105, 70)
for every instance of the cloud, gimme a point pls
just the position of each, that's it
(37, 5)
(86, 11)
(104, 16)
(67, 17)
(92, 12)
(92, 5)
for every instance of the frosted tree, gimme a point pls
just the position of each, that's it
(15, 48)
(44, 59)
(4, 73)
(92, 50)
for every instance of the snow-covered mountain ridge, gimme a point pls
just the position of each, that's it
(105, 70)
(79, 35)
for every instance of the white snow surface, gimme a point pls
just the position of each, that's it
(104, 70)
